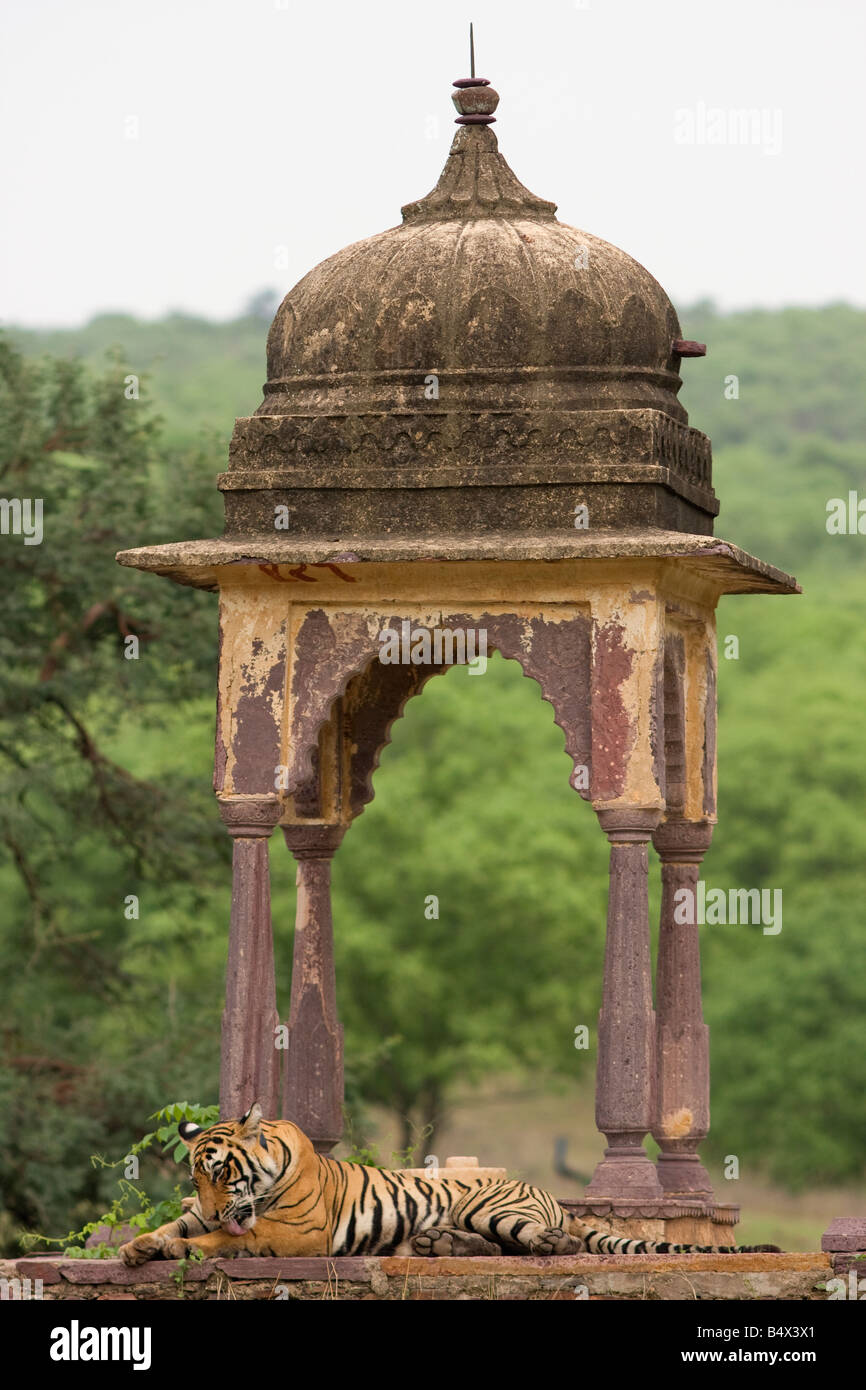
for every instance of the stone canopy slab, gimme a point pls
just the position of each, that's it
(200, 563)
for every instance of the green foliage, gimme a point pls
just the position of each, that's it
(501, 976)
(196, 372)
(92, 987)
(133, 1206)
(183, 1265)
(167, 1133)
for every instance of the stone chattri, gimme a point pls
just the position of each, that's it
(472, 421)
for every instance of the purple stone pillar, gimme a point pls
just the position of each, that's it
(625, 1079)
(682, 1037)
(249, 1065)
(313, 1077)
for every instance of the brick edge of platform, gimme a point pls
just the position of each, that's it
(361, 1269)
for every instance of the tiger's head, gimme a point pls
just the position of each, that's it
(233, 1168)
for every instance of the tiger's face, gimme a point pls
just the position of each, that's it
(228, 1179)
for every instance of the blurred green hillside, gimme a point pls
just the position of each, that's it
(194, 372)
(105, 768)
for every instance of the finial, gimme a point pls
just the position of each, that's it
(476, 106)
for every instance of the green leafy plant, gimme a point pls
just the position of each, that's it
(167, 1133)
(134, 1206)
(183, 1265)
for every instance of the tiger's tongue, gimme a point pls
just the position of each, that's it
(234, 1228)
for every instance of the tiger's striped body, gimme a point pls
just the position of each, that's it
(377, 1210)
(261, 1189)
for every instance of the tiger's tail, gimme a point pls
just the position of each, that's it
(601, 1243)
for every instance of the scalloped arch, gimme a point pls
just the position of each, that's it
(332, 662)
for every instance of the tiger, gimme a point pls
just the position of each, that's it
(261, 1189)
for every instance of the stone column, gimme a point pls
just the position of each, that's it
(625, 1081)
(313, 1074)
(249, 1066)
(682, 1118)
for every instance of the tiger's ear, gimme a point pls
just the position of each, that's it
(189, 1132)
(251, 1122)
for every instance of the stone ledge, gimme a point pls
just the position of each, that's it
(199, 563)
(364, 1268)
(800, 1277)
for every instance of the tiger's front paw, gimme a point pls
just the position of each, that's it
(143, 1248)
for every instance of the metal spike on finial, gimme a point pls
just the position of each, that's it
(476, 106)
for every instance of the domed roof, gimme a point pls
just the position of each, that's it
(479, 275)
(481, 366)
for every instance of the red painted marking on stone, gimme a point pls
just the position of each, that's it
(335, 569)
(299, 573)
(273, 573)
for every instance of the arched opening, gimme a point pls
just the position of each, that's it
(469, 907)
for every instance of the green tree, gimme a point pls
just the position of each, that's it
(469, 900)
(83, 839)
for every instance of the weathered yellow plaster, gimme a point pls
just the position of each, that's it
(450, 583)
(693, 631)
(253, 626)
(638, 621)
(698, 636)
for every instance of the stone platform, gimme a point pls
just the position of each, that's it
(679, 1220)
(800, 1277)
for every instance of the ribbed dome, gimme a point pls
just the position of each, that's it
(479, 276)
(481, 367)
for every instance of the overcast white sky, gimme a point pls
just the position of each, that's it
(282, 123)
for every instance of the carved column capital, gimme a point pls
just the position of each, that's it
(250, 817)
(624, 825)
(314, 841)
(683, 841)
